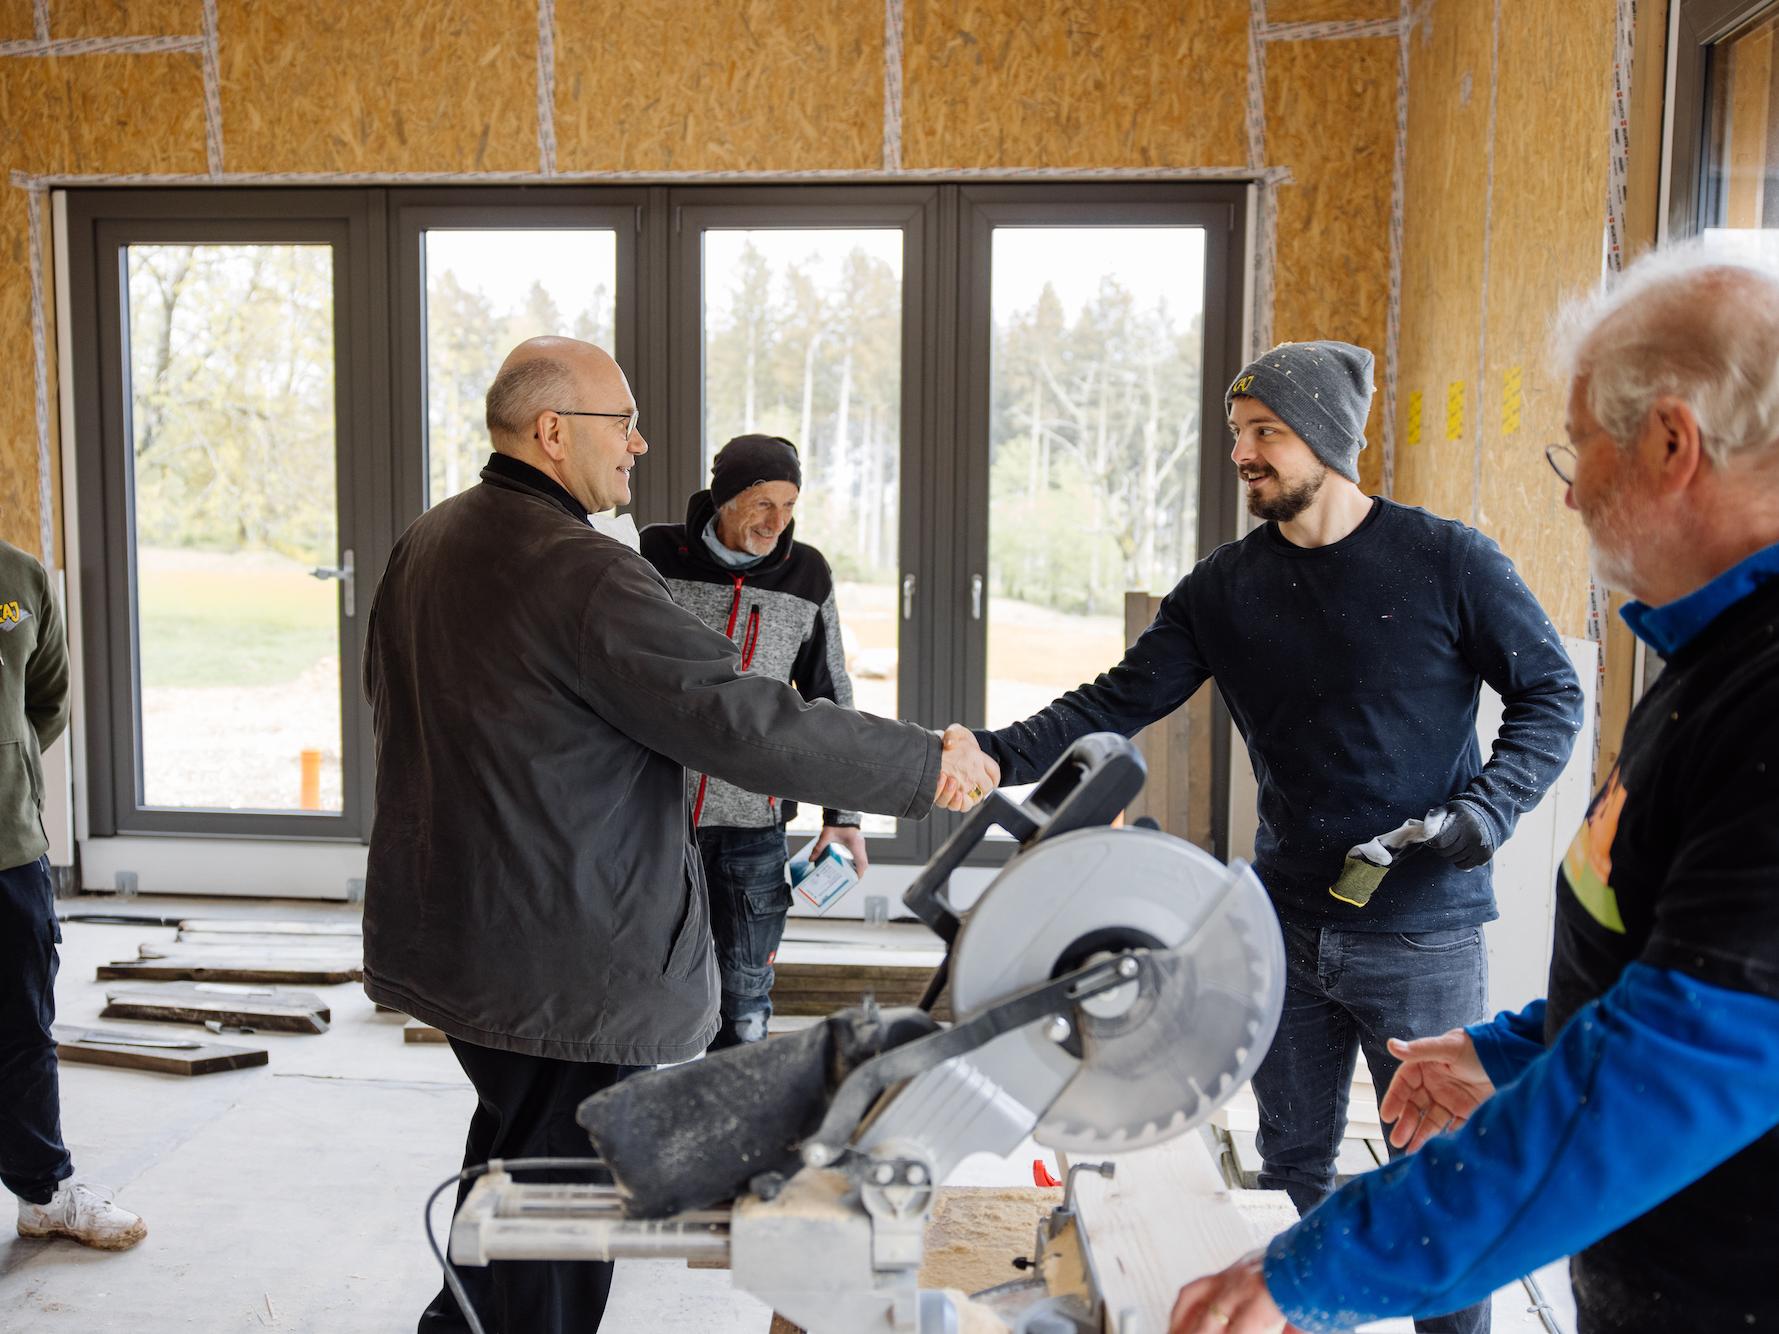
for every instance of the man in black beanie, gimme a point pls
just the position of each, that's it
(734, 565)
(1349, 636)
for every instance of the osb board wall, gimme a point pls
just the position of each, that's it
(742, 86)
(1332, 278)
(1077, 83)
(1551, 162)
(763, 85)
(124, 18)
(1488, 259)
(758, 85)
(449, 85)
(1446, 183)
(1329, 11)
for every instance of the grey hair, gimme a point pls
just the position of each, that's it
(524, 389)
(1698, 322)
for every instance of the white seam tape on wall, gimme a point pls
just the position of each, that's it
(39, 340)
(1393, 312)
(892, 85)
(546, 87)
(212, 92)
(1256, 111)
(1331, 31)
(89, 46)
(40, 19)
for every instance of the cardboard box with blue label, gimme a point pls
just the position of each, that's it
(825, 883)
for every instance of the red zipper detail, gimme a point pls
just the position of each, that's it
(752, 640)
(734, 607)
(698, 805)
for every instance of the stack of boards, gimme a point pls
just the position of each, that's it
(222, 974)
(818, 977)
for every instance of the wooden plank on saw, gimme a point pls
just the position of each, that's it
(255, 926)
(218, 1002)
(416, 1031)
(126, 1050)
(209, 966)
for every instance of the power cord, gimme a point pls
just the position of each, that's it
(470, 1174)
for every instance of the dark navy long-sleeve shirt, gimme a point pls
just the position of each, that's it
(1352, 671)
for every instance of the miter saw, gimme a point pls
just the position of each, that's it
(1111, 988)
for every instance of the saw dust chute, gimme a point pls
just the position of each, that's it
(1112, 987)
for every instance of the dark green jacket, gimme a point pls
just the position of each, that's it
(33, 700)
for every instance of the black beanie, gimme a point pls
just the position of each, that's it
(752, 458)
(1320, 390)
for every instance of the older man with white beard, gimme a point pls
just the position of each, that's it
(1630, 1120)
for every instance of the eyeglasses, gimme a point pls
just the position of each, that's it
(628, 418)
(1562, 462)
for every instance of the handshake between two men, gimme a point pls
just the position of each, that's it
(966, 773)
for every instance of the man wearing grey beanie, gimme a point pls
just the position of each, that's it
(1349, 636)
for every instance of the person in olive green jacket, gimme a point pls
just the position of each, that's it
(34, 1164)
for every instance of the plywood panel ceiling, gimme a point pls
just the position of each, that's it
(1330, 11)
(125, 18)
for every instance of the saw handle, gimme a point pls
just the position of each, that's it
(1096, 777)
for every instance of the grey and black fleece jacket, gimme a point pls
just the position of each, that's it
(781, 615)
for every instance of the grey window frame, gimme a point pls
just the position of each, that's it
(1700, 29)
(380, 409)
(913, 210)
(1221, 210)
(100, 224)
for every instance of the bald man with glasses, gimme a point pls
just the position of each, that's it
(533, 889)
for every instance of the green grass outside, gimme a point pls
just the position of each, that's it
(211, 619)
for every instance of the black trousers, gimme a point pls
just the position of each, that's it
(526, 1110)
(32, 1156)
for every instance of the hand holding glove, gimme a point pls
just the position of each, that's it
(1465, 841)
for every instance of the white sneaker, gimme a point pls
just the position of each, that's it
(86, 1215)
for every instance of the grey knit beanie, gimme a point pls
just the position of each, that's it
(1321, 390)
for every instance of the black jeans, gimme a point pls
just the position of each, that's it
(527, 1110)
(1348, 992)
(32, 1156)
(750, 896)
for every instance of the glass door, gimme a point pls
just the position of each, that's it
(804, 317)
(230, 407)
(475, 280)
(1095, 359)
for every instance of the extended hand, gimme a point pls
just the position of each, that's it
(1465, 841)
(1439, 1085)
(966, 775)
(1233, 1302)
(847, 836)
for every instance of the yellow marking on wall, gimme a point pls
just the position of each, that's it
(1413, 433)
(1513, 399)
(1454, 410)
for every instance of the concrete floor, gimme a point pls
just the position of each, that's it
(288, 1197)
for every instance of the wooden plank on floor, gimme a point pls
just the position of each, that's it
(269, 1008)
(415, 1031)
(255, 926)
(272, 940)
(81, 1046)
(295, 972)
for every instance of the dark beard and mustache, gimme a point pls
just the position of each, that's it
(1290, 500)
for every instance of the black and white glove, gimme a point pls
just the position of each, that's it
(1465, 841)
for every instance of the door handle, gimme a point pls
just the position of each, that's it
(344, 572)
(975, 597)
(907, 597)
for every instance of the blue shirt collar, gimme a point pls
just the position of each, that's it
(1672, 626)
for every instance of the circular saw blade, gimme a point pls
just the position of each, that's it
(1212, 985)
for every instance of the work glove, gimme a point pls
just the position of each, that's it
(1465, 840)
